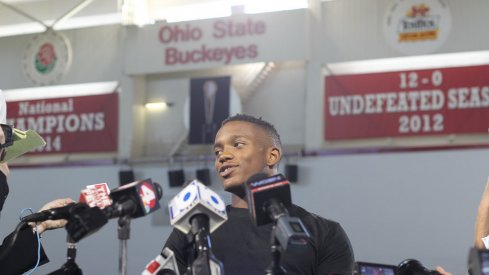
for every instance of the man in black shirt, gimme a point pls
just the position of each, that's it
(245, 146)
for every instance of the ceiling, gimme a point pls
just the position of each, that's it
(19, 17)
(28, 16)
(11, 11)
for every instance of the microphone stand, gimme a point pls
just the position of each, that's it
(123, 233)
(275, 268)
(70, 267)
(275, 210)
(205, 263)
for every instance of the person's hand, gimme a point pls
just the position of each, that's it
(52, 224)
(442, 271)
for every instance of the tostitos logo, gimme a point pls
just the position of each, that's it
(417, 26)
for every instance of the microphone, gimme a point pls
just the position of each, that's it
(196, 198)
(414, 267)
(197, 211)
(268, 197)
(85, 222)
(164, 264)
(135, 199)
(93, 195)
(96, 195)
(57, 213)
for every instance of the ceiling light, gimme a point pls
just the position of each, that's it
(89, 21)
(157, 106)
(45, 92)
(259, 6)
(196, 12)
(409, 62)
(136, 12)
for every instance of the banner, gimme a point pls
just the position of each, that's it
(209, 106)
(216, 42)
(82, 124)
(411, 103)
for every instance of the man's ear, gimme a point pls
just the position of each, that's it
(274, 156)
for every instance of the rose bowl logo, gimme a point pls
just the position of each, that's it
(47, 58)
(417, 26)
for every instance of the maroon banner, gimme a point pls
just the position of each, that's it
(407, 103)
(82, 124)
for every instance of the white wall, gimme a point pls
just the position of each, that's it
(353, 30)
(396, 206)
(97, 57)
(282, 96)
(393, 205)
(165, 127)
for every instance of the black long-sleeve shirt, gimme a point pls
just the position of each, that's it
(244, 249)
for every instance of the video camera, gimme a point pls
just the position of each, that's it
(364, 268)
(478, 262)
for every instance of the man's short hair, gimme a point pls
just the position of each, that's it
(263, 124)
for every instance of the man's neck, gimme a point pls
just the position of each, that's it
(238, 202)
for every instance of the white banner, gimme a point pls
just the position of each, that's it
(217, 42)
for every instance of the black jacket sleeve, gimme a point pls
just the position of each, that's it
(180, 246)
(23, 255)
(336, 253)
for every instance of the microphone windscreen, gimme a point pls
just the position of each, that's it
(260, 189)
(194, 199)
(145, 194)
(85, 221)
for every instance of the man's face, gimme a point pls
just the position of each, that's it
(242, 150)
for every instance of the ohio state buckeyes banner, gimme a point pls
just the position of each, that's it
(82, 124)
(411, 103)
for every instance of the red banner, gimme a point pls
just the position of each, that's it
(83, 124)
(407, 103)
